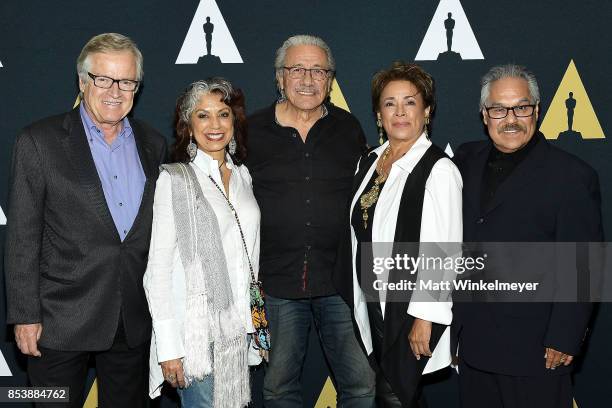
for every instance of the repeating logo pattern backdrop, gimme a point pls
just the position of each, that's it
(566, 43)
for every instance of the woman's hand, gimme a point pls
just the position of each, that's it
(173, 372)
(419, 338)
(264, 354)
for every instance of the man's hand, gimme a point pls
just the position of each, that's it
(173, 372)
(419, 337)
(27, 336)
(555, 358)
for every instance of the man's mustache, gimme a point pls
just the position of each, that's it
(512, 127)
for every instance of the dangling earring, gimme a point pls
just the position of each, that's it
(426, 126)
(231, 147)
(192, 148)
(381, 132)
(282, 97)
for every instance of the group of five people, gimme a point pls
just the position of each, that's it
(106, 254)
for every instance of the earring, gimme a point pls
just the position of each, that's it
(427, 120)
(231, 147)
(282, 97)
(192, 148)
(381, 132)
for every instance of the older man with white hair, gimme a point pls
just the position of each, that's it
(79, 226)
(520, 188)
(303, 152)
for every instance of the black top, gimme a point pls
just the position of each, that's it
(303, 190)
(498, 168)
(363, 233)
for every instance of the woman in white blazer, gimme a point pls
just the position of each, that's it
(406, 190)
(204, 249)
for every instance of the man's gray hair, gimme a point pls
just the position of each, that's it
(303, 39)
(508, 71)
(105, 43)
(191, 97)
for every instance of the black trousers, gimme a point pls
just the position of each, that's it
(385, 396)
(480, 389)
(122, 374)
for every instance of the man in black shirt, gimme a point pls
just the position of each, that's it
(303, 152)
(519, 188)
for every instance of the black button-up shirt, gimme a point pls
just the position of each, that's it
(302, 189)
(499, 166)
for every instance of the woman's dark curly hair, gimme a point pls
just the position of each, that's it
(186, 104)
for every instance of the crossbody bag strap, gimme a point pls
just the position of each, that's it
(244, 245)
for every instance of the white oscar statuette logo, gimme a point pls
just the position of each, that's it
(449, 36)
(208, 39)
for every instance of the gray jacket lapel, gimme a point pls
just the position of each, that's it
(81, 159)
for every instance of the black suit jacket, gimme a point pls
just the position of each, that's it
(551, 196)
(65, 264)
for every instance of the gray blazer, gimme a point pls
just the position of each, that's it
(65, 265)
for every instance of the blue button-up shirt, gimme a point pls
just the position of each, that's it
(120, 171)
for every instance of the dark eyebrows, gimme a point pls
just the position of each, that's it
(225, 108)
(405, 97)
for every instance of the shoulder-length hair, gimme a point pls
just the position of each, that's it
(186, 104)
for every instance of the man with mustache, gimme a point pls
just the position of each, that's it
(303, 151)
(520, 188)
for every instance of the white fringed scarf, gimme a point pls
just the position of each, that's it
(214, 333)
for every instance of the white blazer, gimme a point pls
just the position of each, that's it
(442, 221)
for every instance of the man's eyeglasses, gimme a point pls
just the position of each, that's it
(520, 111)
(106, 82)
(318, 74)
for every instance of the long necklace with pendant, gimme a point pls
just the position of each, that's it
(368, 199)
